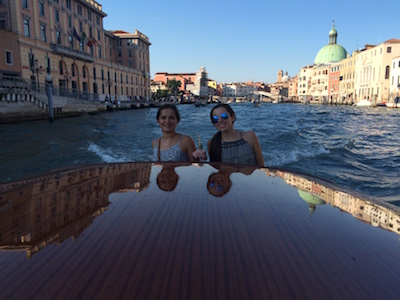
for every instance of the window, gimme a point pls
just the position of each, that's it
(89, 16)
(60, 66)
(68, 4)
(130, 52)
(102, 74)
(47, 60)
(69, 21)
(94, 73)
(119, 53)
(80, 26)
(58, 37)
(9, 60)
(98, 20)
(25, 4)
(73, 70)
(57, 15)
(3, 24)
(41, 9)
(71, 41)
(387, 72)
(43, 32)
(389, 50)
(79, 10)
(99, 52)
(84, 71)
(98, 35)
(26, 28)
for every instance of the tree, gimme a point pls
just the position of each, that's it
(173, 86)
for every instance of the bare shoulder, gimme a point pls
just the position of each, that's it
(186, 139)
(249, 136)
(186, 142)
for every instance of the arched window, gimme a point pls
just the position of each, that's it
(60, 66)
(387, 72)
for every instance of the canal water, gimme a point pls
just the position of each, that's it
(356, 148)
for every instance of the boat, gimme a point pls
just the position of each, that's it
(256, 103)
(199, 103)
(394, 104)
(144, 230)
(365, 103)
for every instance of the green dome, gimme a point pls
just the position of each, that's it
(310, 199)
(330, 53)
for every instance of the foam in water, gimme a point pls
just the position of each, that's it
(281, 159)
(105, 154)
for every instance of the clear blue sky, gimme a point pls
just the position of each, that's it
(249, 40)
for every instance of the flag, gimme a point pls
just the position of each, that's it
(91, 42)
(76, 35)
(84, 38)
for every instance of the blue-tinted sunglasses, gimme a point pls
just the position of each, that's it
(213, 184)
(224, 116)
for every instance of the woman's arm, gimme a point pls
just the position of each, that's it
(187, 146)
(252, 138)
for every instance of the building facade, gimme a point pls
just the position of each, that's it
(347, 75)
(373, 71)
(66, 39)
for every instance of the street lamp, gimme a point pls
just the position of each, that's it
(38, 70)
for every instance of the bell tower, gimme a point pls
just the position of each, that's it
(280, 75)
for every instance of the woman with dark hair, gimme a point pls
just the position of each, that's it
(219, 183)
(230, 145)
(173, 146)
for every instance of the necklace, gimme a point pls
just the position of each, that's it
(167, 142)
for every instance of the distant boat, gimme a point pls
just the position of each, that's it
(394, 104)
(365, 103)
(199, 103)
(256, 102)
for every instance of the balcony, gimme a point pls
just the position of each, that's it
(69, 52)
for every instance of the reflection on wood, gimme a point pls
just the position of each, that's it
(52, 208)
(134, 238)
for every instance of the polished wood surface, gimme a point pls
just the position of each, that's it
(200, 231)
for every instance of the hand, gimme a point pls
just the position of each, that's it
(199, 154)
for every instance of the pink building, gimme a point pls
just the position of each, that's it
(184, 78)
(334, 81)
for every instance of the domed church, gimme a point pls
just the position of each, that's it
(332, 52)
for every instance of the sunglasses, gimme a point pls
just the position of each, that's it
(219, 187)
(224, 116)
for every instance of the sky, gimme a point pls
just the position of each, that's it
(239, 41)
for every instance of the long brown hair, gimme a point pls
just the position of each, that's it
(215, 144)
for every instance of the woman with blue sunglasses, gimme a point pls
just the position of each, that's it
(230, 145)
